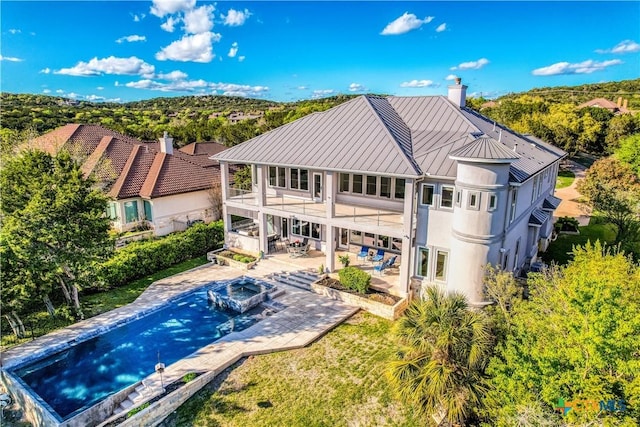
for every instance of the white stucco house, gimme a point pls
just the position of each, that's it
(425, 178)
(150, 183)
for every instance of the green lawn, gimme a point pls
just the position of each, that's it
(560, 250)
(337, 381)
(40, 323)
(565, 179)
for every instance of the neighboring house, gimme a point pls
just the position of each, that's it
(619, 108)
(443, 187)
(150, 183)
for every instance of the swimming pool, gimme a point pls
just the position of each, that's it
(78, 377)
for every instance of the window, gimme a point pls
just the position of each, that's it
(458, 198)
(357, 184)
(493, 201)
(442, 258)
(427, 194)
(147, 210)
(474, 200)
(372, 185)
(112, 210)
(344, 182)
(355, 237)
(385, 187)
(305, 229)
(516, 254)
(423, 262)
(383, 242)
(534, 194)
(131, 211)
(369, 239)
(299, 179)
(396, 244)
(514, 199)
(272, 176)
(446, 200)
(277, 176)
(254, 174)
(399, 193)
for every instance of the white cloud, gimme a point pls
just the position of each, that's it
(235, 18)
(404, 24)
(10, 59)
(584, 67)
(625, 46)
(174, 75)
(199, 85)
(241, 58)
(451, 77)
(169, 24)
(234, 50)
(441, 27)
(138, 18)
(110, 65)
(472, 65)
(199, 20)
(46, 90)
(72, 95)
(418, 83)
(194, 48)
(45, 70)
(161, 8)
(132, 38)
(59, 91)
(356, 87)
(94, 98)
(100, 88)
(319, 93)
(14, 31)
(302, 87)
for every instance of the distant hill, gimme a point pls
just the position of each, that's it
(627, 89)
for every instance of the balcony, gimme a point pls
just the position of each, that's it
(344, 214)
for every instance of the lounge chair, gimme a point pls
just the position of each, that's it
(364, 253)
(392, 261)
(380, 268)
(305, 241)
(304, 250)
(379, 256)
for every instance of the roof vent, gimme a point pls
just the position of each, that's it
(515, 147)
(500, 136)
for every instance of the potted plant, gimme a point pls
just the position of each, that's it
(344, 260)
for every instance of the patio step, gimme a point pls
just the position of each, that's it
(305, 276)
(287, 279)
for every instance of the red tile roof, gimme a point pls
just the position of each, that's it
(132, 168)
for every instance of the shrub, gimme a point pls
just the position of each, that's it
(355, 279)
(142, 258)
(567, 223)
(134, 411)
(344, 260)
(189, 377)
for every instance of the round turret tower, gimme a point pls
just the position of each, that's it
(479, 214)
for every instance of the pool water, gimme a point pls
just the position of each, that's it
(79, 377)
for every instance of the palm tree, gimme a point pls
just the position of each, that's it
(445, 348)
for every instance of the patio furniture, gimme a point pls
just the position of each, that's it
(305, 241)
(381, 267)
(304, 250)
(364, 253)
(271, 240)
(392, 261)
(378, 256)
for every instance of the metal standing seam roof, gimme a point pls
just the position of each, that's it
(551, 203)
(395, 136)
(538, 217)
(486, 149)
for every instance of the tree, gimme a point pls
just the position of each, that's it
(444, 349)
(575, 338)
(629, 152)
(613, 189)
(619, 127)
(54, 228)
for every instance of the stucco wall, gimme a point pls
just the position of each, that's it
(180, 207)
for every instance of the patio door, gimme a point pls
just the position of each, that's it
(317, 187)
(343, 243)
(284, 230)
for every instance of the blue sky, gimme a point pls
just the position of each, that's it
(125, 51)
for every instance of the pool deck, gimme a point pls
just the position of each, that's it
(306, 317)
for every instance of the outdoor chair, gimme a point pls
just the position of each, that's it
(305, 241)
(392, 261)
(378, 257)
(304, 250)
(364, 253)
(381, 267)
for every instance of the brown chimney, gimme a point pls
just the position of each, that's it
(619, 101)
